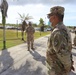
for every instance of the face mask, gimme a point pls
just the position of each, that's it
(50, 24)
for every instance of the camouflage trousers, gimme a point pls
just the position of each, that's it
(53, 72)
(54, 67)
(56, 71)
(30, 43)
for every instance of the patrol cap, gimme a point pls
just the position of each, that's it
(30, 23)
(56, 10)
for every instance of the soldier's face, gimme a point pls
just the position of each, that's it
(51, 19)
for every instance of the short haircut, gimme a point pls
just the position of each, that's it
(60, 17)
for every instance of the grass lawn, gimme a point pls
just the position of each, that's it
(13, 37)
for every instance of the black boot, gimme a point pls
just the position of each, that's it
(33, 48)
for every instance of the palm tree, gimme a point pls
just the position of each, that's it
(23, 19)
(41, 23)
(4, 8)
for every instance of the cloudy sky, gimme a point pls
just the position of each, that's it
(39, 9)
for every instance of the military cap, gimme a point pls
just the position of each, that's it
(56, 9)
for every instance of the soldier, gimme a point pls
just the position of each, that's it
(30, 36)
(74, 37)
(58, 55)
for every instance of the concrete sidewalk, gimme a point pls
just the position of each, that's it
(18, 61)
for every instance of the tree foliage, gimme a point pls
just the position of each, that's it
(24, 17)
(41, 23)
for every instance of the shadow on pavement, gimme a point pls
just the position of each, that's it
(6, 61)
(38, 57)
(7, 65)
(72, 73)
(73, 53)
(25, 69)
(74, 47)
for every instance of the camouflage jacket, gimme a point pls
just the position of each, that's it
(30, 32)
(59, 44)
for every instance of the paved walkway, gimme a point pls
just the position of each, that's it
(18, 61)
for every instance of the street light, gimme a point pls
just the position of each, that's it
(17, 28)
(4, 8)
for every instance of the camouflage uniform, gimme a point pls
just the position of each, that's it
(30, 36)
(75, 40)
(58, 55)
(75, 37)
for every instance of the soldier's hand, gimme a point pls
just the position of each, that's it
(72, 68)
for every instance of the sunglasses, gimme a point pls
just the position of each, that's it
(48, 16)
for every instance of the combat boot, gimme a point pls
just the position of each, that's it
(28, 49)
(33, 48)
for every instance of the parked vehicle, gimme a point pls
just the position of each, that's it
(49, 29)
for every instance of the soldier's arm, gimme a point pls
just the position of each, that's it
(57, 41)
(60, 45)
(60, 42)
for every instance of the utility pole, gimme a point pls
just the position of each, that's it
(17, 28)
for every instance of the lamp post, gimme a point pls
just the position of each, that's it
(4, 7)
(17, 28)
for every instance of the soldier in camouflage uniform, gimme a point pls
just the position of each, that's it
(74, 37)
(30, 36)
(58, 55)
